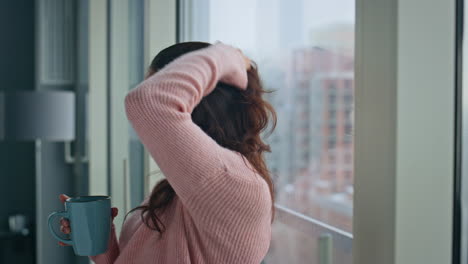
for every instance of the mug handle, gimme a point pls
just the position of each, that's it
(51, 230)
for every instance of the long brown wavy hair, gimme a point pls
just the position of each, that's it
(234, 118)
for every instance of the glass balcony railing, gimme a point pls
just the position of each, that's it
(298, 238)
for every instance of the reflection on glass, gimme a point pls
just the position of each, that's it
(305, 53)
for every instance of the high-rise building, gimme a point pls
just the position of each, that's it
(321, 134)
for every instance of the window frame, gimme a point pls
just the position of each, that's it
(108, 41)
(97, 98)
(403, 188)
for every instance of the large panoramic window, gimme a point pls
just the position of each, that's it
(305, 53)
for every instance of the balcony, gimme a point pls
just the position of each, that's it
(298, 238)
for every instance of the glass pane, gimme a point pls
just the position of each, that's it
(136, 74)
(126, 70)
(461, 183)
(300, 239)
(305, 53)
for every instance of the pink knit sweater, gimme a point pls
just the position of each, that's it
(222, 209)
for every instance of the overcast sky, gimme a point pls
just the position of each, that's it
(235, 21)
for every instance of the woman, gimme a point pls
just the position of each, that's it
(200, 113)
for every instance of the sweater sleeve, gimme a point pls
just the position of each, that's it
(160, 108)
(112, 252)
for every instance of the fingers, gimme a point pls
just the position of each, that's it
(65, 229)
(63, 197)
(65, 226)
(248, 63)
(64, 222)
(114, 212)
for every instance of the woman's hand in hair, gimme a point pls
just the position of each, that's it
(65, 224)
(248, 62)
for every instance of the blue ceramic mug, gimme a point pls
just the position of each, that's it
(90, 223)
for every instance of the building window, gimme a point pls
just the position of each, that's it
(331, 99)
(348, 99)
(332, 129)
(348, 84)
(348, 129)
(348, 158)
(332, 88)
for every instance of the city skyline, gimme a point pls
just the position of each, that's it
(304, 51)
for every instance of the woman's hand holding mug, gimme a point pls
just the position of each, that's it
(65, 223)
(88, 220)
